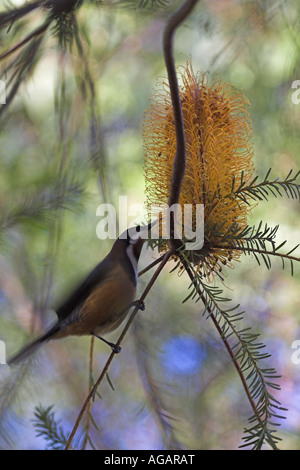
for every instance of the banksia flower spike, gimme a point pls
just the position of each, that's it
(218, 135)
(219, 175)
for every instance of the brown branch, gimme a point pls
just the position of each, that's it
(108, 362)
(226, 343)
(168, 42)
(179, 164)
(90, 387)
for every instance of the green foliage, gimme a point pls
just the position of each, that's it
(144, 3)
(41, 207)
(258, 241)
(242, 345)
(47, 427)
(65, 29)
(260, 191)
(22, 67)
(246, 353)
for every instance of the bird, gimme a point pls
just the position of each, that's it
(101, 302)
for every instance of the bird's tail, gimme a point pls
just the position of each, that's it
(32, 347)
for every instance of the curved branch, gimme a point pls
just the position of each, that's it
(180, 158)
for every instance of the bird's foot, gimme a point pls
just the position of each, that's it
(116, 349)
(139, 304)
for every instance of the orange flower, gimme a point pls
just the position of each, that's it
(218, 150)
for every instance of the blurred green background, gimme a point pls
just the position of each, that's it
(174, 383)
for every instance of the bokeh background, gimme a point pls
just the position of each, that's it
(173, 384)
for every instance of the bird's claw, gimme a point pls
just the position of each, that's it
(116, 349)
(139, 304)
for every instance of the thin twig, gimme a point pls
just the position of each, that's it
(155, 396)
(36, 32)
(15, 14)
(151, 265)
(90, 387)
(108, 362)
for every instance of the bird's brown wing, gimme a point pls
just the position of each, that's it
(81, 293)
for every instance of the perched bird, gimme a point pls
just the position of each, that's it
(100, 303)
